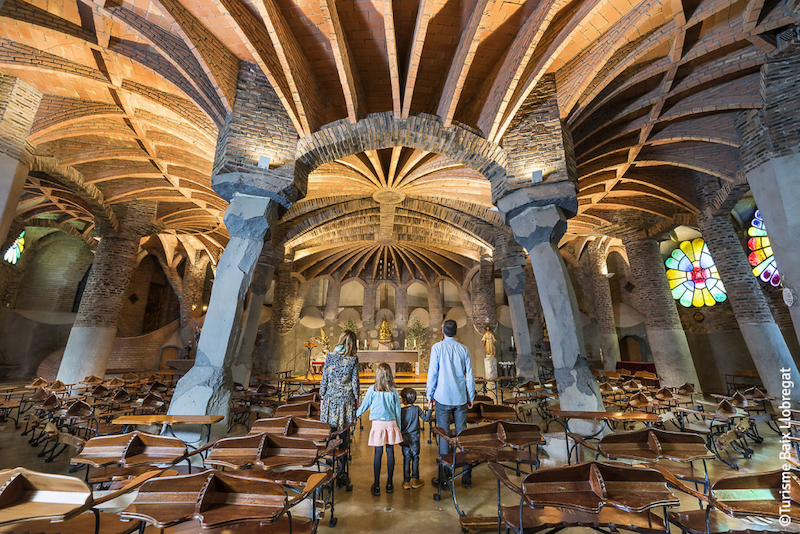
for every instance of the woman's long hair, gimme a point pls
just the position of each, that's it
(384, 381)
(349, 341)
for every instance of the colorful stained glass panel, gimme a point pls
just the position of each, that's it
(761, 257)
(14, 252)
(693, 276)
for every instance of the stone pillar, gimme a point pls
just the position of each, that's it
(603, 306)
(19, 103)
(92, 335)
(332, 302)
(538, 229)
(400, 315)
(762, 336)
(484, 307)
(206, 388)
(368, 309)
(514, 284)
(770, 153)
(435, 309)
(665, 333)
(262, 279)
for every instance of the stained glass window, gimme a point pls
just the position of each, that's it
(693, 276)
(15, 250)
(761, 257)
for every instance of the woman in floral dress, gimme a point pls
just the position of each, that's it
(339, 388)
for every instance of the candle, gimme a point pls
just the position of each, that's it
(512, 342)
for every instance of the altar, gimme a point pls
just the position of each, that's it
(391, 357)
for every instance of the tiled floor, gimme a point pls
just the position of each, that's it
(403, 511)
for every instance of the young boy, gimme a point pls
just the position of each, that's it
(410, 427)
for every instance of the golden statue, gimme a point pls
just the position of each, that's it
(324, 341)
(489, 342)
(385, 333)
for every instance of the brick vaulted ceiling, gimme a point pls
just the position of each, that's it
(135, 92)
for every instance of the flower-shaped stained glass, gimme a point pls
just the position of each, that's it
(761, 257)
(15, 250)
(693, 276)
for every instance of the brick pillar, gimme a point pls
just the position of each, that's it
(770, 154)
(664, 330)
(191, 294)
(514, 284)
(286, 310)
(484, 307)
(761, 334)
(332, 303)
(18, 105)
(262, 279)
(368, 310)
(92, 335)
(603, 306)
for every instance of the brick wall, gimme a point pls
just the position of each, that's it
(131, 315)
(594, 266)
(285, 305)
(53, 270)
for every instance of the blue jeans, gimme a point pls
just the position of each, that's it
(443, 412)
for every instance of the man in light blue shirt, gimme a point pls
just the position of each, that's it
(451, 386)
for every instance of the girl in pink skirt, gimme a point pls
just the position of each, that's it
(384, 412)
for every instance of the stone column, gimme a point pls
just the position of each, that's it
(368, 309)
(514, 284)
(538, 229)
(603, 306)
(435, 309)
(484, 307)
(262, 279)
(400, 315)
(18, 105)
(770, 153)
(332, 303)
(762, 336)
(665, 333)
(92, 336)
(206, 388)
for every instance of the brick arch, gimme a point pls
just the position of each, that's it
(383, 130)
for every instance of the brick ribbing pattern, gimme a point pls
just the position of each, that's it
(423, 132)
(287, 303)
(652, 291)
(113, 267)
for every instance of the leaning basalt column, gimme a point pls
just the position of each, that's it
(538, 229)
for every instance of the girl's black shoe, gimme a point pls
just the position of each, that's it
(376, 490)
(389, 488)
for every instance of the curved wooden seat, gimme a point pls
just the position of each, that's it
(307, 409)
(544, 519)
(82, 524)
(129, 450)
(293, 426)
(264, 450)
(694, 522)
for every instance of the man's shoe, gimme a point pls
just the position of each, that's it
(407, 485)
(416, 483)
(376, 490)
